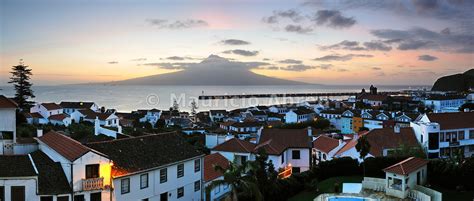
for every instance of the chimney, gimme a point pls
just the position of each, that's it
(396, 128)
(310, 131)
(340, 142)
(39, 132)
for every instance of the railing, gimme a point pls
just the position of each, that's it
(285, 173)
(93, 184)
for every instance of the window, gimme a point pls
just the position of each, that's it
(92, 171)
(282, 158)
(295, 170)
(197, 165)
(295, 154)
(144, 181)
(180, 192)
(180, 170)
(47, 198)
(197, 186)
(471, 134)
(17, 193)
(460, 135)
(217, 189)
(125, 186)
(146, 199)
(96, 196)
(79, 198)
(63, 198)
(2, 193)
(163, 175)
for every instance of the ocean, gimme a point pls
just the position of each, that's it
(133, 97)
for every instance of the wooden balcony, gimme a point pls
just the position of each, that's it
(285, 173)
(93, 184)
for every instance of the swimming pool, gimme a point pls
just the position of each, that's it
(345, 199)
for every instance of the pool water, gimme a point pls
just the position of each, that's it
(345, 199)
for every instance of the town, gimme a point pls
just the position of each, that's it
(397, 144)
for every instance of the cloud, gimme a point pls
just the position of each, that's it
(113, 62)
(170, 66)
(139, 59)
(240, 52)
(376, 68)
(332, 18)
(377, 45)
(177, 24)
(298, 29)
(297, 68)
(290, 61)
(421, 38)
(175, 58)
(354, 46)
(291, 14)
(324, 66)
(413, 44)
(234, 42)
(426, 57)
(338, 57)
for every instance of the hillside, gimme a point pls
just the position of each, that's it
(214, 70)
(457, 82)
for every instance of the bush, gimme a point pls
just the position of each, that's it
(374, 166)
(337, 167)
(451, 175)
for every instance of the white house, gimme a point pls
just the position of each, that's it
(70, 107)
(210, 174)
(150, 168)
(325, 147)
(444, 103)
(88, 170)
(299, 115)
(152, 116)
(442, 134)
(60, 119)
(288, 149)
(7, 124)
(217, 115)
(20, 176)
(46, 109)
(105, 119)
(402, 177)
(382, 142)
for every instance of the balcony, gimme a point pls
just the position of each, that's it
(285, 173)
(93, 184)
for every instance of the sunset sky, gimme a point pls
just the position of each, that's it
(327, 42)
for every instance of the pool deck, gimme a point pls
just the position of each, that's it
(367, 195)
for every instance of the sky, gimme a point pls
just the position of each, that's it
(342, 42)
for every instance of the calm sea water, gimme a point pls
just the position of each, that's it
(128, 98)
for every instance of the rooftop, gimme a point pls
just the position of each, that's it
(7, 103)
(212, 160)
(64, 145)
(406, 166)
(454, 120)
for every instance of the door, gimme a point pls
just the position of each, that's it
(18, 193)
(164, 197)
(418, 178)
(96, 196)
(79, 198)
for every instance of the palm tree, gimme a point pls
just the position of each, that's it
(363, 147)
(238, 177)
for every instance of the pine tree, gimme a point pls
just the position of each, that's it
(20, 80)
(194, 107)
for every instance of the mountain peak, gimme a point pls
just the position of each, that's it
(214, 59)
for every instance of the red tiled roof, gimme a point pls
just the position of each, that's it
(386, 138)
(51, 106)
(65, 146)
(325, 144)
(212, 160)
(275, 141)
(406, 166)
(89, 114)
(454, 120)
(7, 103)
(235, 145)
(83, 105)
(58, 117)
(35, 115)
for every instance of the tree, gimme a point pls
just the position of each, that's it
(239, 178)
(363, 147)
(20, 80)
(266, 175)
(194, 107)
(175, 105)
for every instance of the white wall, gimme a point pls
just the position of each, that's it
(171, 186)
(8, 120)
(30, 184)
(217, 192)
